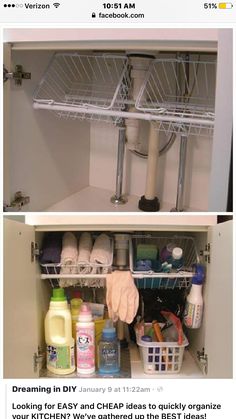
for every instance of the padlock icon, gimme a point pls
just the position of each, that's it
(93, 14)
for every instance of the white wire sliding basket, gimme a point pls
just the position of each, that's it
(182, 92)
(86, 83)
(176, 278)
(177, 94)
(89, 274)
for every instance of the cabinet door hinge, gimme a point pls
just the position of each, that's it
(203, 360)
(206, 253)
(34, 251)
(38, 359)
(18, 75)
(17, 203)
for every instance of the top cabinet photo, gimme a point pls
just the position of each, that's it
(131, 120)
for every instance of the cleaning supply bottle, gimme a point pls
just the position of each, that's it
(85, 341)
(176, 258)
(194, 305)
(109, 351)
(75, 304)
(58, 335)
(166, 252)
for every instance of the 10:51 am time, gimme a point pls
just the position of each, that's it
(119, 5)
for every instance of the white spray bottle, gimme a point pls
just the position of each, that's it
(194, 306)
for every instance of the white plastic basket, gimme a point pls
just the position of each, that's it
(161, 357)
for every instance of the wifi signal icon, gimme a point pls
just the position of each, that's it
(56, 5)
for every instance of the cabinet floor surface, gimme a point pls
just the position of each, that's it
(93, 199)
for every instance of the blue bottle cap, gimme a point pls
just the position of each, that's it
(146, 338)
(109, 332)
(199, 275)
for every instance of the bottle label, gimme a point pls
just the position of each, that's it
(193, 315)
(110, 356)
(85, 349)
(60, 357)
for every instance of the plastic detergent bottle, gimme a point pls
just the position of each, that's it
(58, 335)
(166, 252)
(177, 258)
(109, 351)
(85, 341)
(194, 305)
(75, 304)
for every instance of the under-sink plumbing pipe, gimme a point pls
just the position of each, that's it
(181, 175)
(118, 198)
(149, 202)
(129, 130)
(139, 65)
(183, 144)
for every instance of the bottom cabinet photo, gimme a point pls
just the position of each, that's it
(118, 296)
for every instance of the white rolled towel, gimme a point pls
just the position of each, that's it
(101, 252)
(69, 254)
(84, 252)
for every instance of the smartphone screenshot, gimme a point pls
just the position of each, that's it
(117, 217)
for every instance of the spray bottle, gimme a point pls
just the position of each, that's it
(194, 305)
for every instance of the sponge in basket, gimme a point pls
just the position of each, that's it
(147, 251)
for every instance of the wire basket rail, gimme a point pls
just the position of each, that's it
(85, 82)
(178, 95)
(180, 89)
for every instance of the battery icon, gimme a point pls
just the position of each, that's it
(225, 5)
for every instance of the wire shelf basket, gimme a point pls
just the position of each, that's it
(92, 275)
(167, 282)
(87, 82)
(180, 90)
(76, 269)
(89, 274)
(177, 278)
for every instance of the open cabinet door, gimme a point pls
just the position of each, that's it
(218, 310)
(6, 116)
(21, 335)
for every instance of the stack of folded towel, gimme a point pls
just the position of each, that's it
(101, 252)
(69, 254)
(51, 253)
(84, 252)
(75, 256)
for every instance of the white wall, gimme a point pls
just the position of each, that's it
(103, 152)
(49, 157)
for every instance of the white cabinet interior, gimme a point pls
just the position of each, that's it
(26, 308)
(69, 160)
